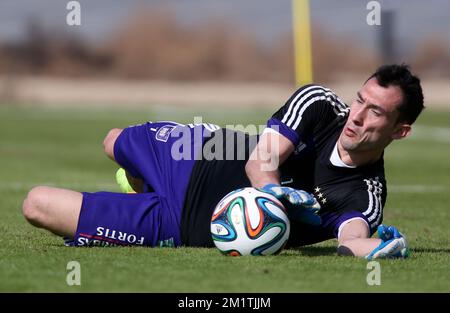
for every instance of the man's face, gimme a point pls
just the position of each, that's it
(372, 123)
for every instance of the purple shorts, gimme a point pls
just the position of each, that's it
(154, 153)
(111, 219)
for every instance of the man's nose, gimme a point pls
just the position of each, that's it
(358, 117)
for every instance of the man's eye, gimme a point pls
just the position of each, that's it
(376, 113)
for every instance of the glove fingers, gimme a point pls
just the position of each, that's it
(314, 208)
(299, 197)
(310, 201)
(277, 191)
(294, 198)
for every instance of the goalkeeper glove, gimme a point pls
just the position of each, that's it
(393, 244)
(301, 205)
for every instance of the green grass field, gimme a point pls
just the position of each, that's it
(64, 148)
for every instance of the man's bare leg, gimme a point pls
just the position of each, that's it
(54, 209)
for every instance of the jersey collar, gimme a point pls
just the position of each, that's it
(336, 160)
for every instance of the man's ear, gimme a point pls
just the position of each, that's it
(401, 131)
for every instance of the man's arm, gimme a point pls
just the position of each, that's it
(262, 170)
(355, 240)
(270, 152)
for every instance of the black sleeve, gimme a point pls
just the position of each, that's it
(310, 107)
(369, 198)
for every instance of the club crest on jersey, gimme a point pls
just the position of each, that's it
(163, 133)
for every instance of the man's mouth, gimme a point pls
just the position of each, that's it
(349, 132)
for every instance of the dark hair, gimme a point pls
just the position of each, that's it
(399, 75)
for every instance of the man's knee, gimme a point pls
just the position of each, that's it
(34, 205)
(110, 139)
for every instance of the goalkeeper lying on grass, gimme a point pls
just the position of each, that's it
(323, 159)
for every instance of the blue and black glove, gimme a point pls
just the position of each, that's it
(300, 204)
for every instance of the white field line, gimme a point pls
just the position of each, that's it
(416, 188)
(102, 186)
(430, 133)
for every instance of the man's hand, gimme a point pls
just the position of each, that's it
(299, 204)
(393, 244)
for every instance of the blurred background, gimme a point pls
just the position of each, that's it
(211, 52)
(62, 88)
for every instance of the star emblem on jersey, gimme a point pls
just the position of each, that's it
(320, 196)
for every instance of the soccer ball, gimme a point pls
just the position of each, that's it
(249, 222)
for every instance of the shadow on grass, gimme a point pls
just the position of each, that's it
(331, 251)
(314, 251)
(431, 250)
